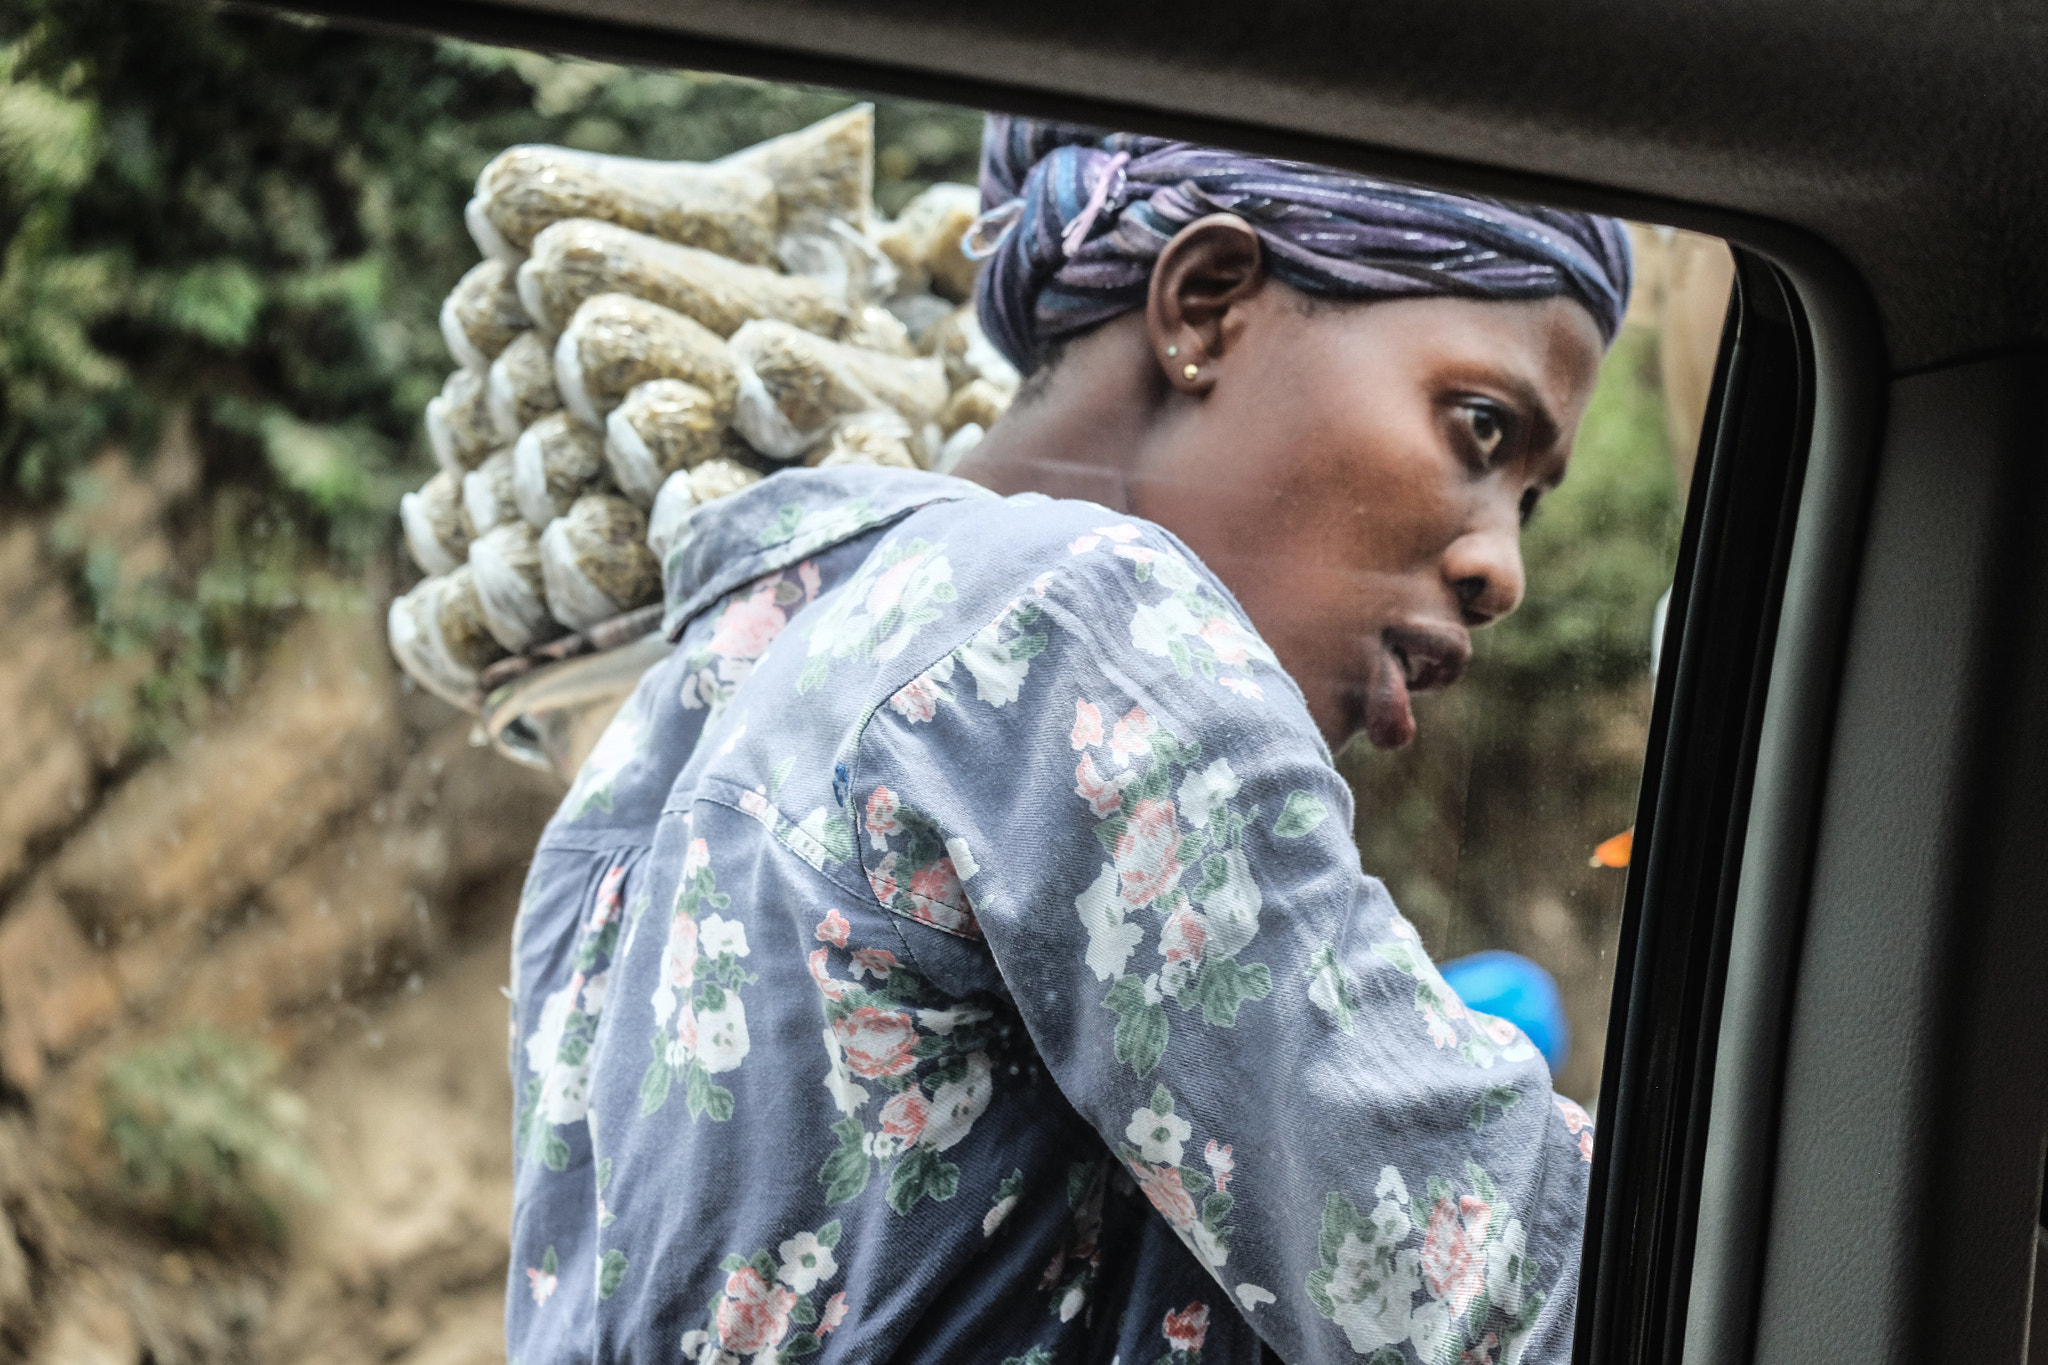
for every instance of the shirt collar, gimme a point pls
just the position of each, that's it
(788, 517)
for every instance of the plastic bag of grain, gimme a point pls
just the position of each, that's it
(522, 386)
(487, 493)
(435, 530)
(459, 425)
(968, 354)
(615, 342)
(958, 447)
(505, 564)
(723, 207)
(662, 426)
(877, 329)
(556, 461)
(877, 438)
(976, 401)
(482, 314)
(821, 172)
(843, 260)
(792, 384)
(438, 635)
(595, 562)
(684, 491)
(580, 259)
(924, 241)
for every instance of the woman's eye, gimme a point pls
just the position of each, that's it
(1489, 428)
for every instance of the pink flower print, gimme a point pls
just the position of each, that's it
(1104, 796)
(686, 1031)
(881, 817)
(608, 899)
(1500, 1030)
(1137, 554)
(1122, 534)
(1087, 724)
(1453, 1259)
(905, 1116)
(696, 858)
(917, 700)
(882, 879)
(1481, 1351)
(1181, 939)
(888, 589)
(750, 624)
(807, 574)
(877, 1042)
(1187, 1329)
(754, 1314)
(875, 962)
(833, 989)
(834, 1313)
(1223, 637)
(834, 928)
(1083, 544)
(1578, 1121)
(1221, 1164)
(937, 881)
(1147, 853)
(1244, 687)
(1162, 1185)
(541, 1283)
(679, 958)
(1132, 737)
(1440, 1031)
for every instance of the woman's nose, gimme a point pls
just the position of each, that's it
(1484, 571)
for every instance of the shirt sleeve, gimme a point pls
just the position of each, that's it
(1114, 786)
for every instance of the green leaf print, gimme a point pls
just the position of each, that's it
(548, 1263)
(845, 1172)
(655, 1082)
(604, 1174)
(1328, 990)
(733, 1261)
(800, 1345)
(1302, 813)
(1037, 1355)
(610, 1271)
(922, 1174)
(803, 1315)
(554, 1153)
(1141, 1026)
(1501, 1097)
(1226, 983)
(828, 1236)
(779, 774)
(706, 1096)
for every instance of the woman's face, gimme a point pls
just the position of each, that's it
(1359, 476)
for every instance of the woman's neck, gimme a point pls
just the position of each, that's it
(1083, 433)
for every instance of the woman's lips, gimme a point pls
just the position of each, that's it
(1389, 719)
(1409, 659)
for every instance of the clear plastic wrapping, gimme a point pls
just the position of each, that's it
(968, 354)
(487, 493)
(662, 426)
(958, 447)
(580, 259)
(459, 425)
(505, 565)
(556, 461)
(721, 478)
(684, 491)
(792, 384)
(821, 172)
(726, 207)
(976, 401)
(877, 329)
(435, 530)
(595, 562)
(438, 634)
(615, 342)
(522, 386)
(877, 438)
(843, 259)
(924, 241)
(482, 314)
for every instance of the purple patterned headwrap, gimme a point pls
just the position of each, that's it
(1074, 218)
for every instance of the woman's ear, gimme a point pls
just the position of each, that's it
(1210, 268)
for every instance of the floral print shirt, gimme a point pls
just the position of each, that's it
(956, 950)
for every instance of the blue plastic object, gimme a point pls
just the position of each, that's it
(1509, 985)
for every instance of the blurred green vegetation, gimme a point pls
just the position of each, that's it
(253, 221)
(208, 1143)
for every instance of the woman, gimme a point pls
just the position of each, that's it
(957, 950)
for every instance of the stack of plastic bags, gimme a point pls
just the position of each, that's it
(645, 337)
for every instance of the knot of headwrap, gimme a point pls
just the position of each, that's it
(1073, 220)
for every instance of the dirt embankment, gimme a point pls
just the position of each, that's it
(327, 866)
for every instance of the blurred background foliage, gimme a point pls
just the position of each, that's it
(227, 238)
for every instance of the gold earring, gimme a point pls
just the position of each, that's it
(1172, 351)
(1190, 371)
